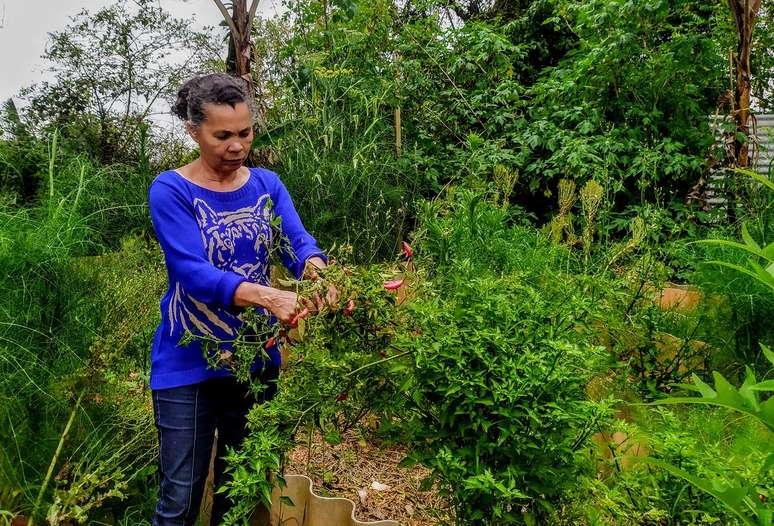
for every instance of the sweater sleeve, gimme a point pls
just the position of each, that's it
(181, 240)
(302, 245)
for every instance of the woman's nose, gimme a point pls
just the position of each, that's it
(235, 146)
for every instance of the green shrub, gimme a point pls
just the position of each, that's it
(700, 440)
(500, 379)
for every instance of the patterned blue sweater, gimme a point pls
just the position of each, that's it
(212, 242)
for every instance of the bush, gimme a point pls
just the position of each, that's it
(500, 378)
(501, 364)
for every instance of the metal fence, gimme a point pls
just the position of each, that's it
(762, 158)
(764, 161)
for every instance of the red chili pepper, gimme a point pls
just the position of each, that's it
(342, 396)
(303, 314)
(350, 308)
(393, 284)
(407, 250)
(269, 343)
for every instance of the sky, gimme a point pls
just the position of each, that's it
(25, 24)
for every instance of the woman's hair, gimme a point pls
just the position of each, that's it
(215, 88)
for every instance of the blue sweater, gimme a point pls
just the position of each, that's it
(212, 242)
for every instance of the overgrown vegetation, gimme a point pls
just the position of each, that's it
(546, 160)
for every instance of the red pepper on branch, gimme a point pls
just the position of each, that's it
(303, 314)
(407, 250)
(393, 284)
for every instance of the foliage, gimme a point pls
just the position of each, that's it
(110, 69)
(330, 132)
(343, 367)
(486, 358)
(763, 274)
(21, 156)
(68, 404)
(742, 271)
(739, 496)
(503, 392)
(700, 440)
(500, 370)
(627, 107)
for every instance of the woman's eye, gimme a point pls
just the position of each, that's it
(244, 134)
(222, 136)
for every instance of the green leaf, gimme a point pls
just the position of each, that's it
(754, 250)
(748, 240)
(768, 353)
(743, 270)
(758, 177)
(704, 389)
(767, 385)
(731, 497)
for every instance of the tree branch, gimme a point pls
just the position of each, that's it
(228, 19)
(251, 14)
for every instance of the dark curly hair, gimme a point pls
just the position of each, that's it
(215, 88)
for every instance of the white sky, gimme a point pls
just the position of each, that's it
(25, 24)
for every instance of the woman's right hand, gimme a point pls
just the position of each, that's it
(287, 306)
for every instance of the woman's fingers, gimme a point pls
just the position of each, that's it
(300, 316)
(332, 296)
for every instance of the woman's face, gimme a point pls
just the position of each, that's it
(225, 136)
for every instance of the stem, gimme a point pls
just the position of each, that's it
(309, 447)
(54, 460)
(377, 362)
(51, 163)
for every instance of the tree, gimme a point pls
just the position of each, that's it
(745, 12)
(111, 69)
(240, 47)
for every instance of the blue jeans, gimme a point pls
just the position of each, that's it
(186, 419)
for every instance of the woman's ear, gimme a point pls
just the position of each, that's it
(192, 130)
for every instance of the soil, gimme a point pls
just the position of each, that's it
(368, 474)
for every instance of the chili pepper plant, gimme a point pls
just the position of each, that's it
(342, 366)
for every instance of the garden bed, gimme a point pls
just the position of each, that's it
(369, 475)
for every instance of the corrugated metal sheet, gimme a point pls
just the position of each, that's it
(763, 158)
(764, 163)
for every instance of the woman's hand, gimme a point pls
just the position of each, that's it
(314, 264)
(287, 306)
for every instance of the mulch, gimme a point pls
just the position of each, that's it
(368, 474)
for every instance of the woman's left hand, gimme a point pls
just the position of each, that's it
(331, 299)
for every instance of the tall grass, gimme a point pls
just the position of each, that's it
(336, 154)
(76, 428)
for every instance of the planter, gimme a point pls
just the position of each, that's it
(682, 298)
(310, 509)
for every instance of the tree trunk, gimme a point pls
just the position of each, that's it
(240, 22)
(745, 13)
(240, 52)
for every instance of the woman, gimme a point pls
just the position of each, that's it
(213, 221)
